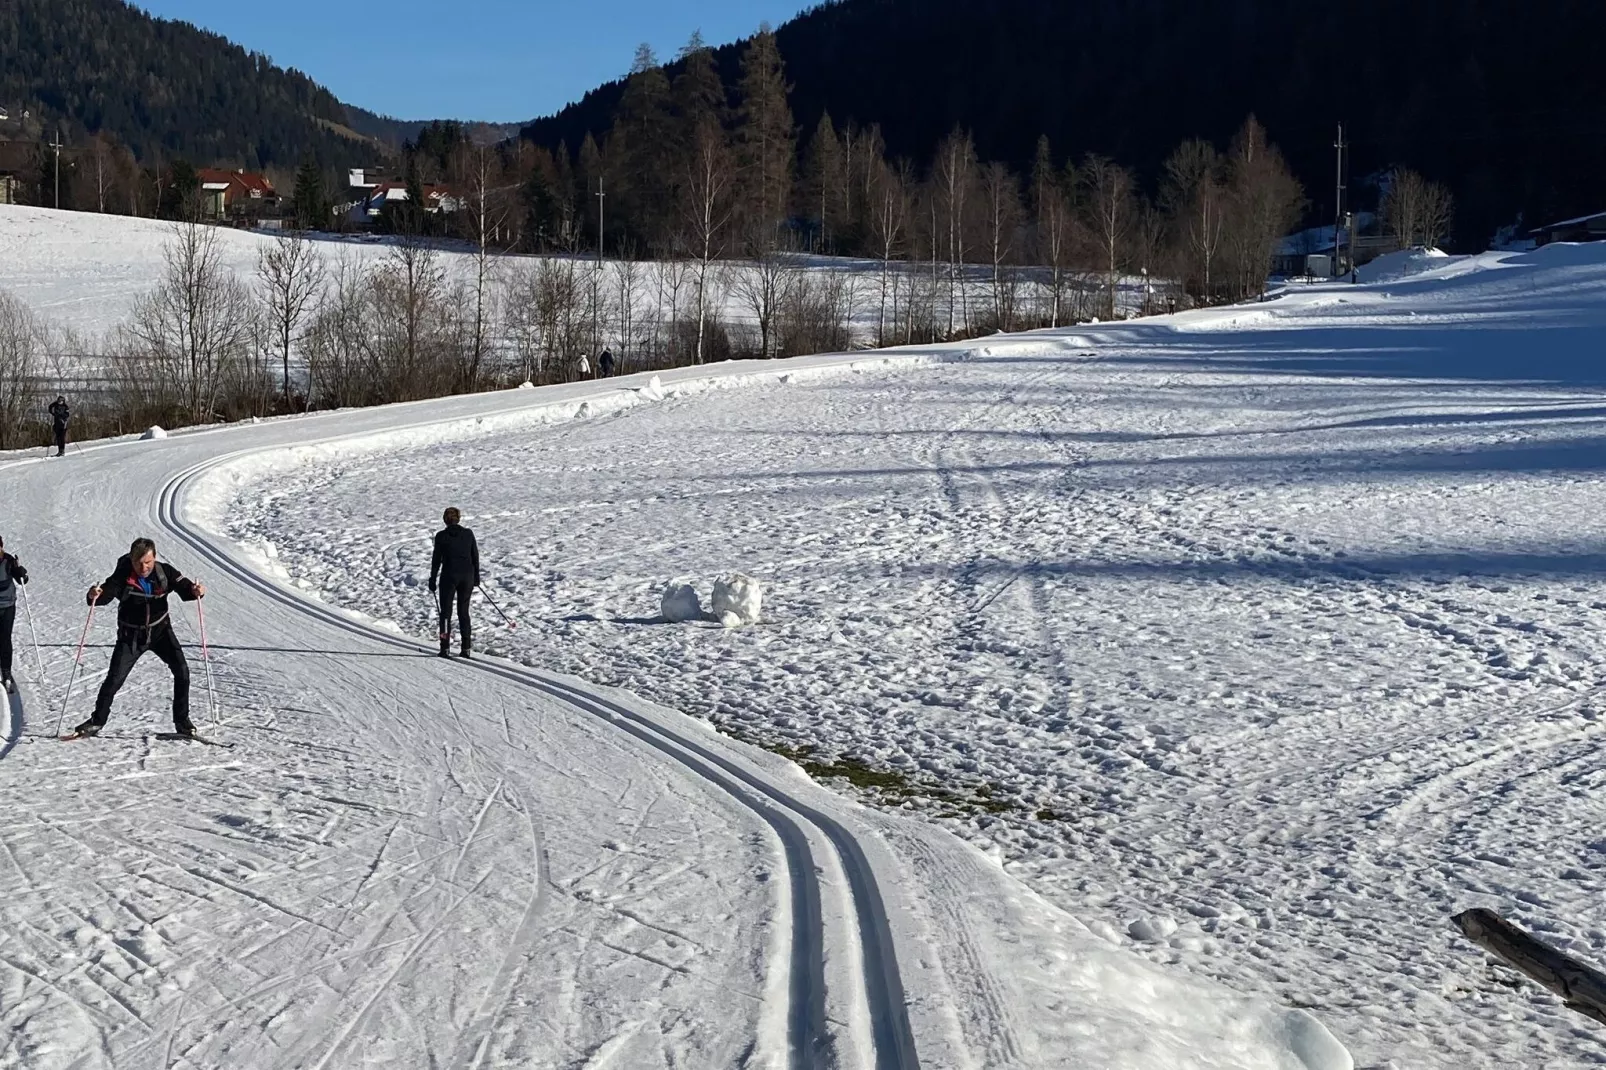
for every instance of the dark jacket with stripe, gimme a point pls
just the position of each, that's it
(11, 573)
(140, 614)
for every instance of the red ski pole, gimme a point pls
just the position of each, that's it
(78, 659)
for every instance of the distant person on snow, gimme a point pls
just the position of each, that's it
(140, 585)
(585, 367)
(11, 574)
(59, 415)
(605, 364)
(455, 568)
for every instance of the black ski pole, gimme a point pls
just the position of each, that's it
(496, 607)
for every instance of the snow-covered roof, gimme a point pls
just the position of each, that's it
(1573, 222)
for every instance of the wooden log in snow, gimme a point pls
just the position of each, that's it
(1581, 987)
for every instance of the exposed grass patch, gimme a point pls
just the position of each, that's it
(891, 785)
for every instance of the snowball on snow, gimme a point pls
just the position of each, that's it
(152, 432)
(681, 603)
(736, 596)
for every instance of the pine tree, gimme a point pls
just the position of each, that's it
(311, 204)
(638, 149)
(766, 141)
(823, 173)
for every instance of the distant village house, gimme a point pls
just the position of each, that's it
(1583, 228)
(235, 195)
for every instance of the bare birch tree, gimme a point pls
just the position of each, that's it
(1111, 214)
(291, 275)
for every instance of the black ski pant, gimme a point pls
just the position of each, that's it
(8, 617)
(131, 645)
(61, 439)
(456, 589)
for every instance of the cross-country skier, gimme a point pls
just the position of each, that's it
(455, 568)
(59, 415)
(140, 585)
(11, 574)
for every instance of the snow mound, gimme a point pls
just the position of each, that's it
(737, 599)
(152, 432)
(680, 603)
(526, 385)
(1402, 265)
(653, 391)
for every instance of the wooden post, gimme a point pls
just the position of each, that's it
(1581, 987)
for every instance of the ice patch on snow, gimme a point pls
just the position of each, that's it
(152, 432)
(737, 600)
(680, 603)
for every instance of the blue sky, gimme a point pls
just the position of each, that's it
(496, 60)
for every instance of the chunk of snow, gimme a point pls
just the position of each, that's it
(680, 603)
(152, 432)
(737, 596)
(653, 391)
(526, 385)
(1151, 930)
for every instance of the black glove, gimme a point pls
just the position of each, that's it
(20, 574)
(431, 586)
(476, 581)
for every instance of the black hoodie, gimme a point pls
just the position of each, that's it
(457, 556)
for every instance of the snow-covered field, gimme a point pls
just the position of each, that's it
(1260, 639)
(410, 862)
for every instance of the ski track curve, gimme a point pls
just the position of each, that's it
(789, 817)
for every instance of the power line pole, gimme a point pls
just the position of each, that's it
(57, 146)
(596, 276)
(1338, 207)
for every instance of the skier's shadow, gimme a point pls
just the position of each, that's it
(419, 653)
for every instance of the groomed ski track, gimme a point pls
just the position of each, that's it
(407, 861)
(837, 998)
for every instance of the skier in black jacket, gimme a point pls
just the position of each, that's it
(11, 574)
(455, 567)
(140, 585)
(59, 414)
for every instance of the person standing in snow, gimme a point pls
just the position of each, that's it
(141, 584)
(11, 574)
(605, 364)
(454, 571)
(59, 415)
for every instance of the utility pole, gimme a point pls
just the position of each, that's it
(596, 276)
(57, 146)
(1338, 207)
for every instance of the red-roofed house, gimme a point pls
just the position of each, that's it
(235, 194)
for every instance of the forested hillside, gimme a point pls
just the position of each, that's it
(162, 88)
(1498, 99)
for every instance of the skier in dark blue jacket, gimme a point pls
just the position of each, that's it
(11, 574)
(455, 569)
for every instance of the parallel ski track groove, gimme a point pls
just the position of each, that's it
(888, 1012)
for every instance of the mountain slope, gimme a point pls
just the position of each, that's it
(1497, 98)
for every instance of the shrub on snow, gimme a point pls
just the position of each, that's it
(737, 599)
(680, 603)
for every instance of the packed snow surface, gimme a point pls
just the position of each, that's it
(406, 861)
(1261, 639)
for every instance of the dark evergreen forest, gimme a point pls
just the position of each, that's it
(1504, 101)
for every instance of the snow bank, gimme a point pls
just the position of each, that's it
(737, 599)
(152, 432)
(680, 603)
(1402, 265)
